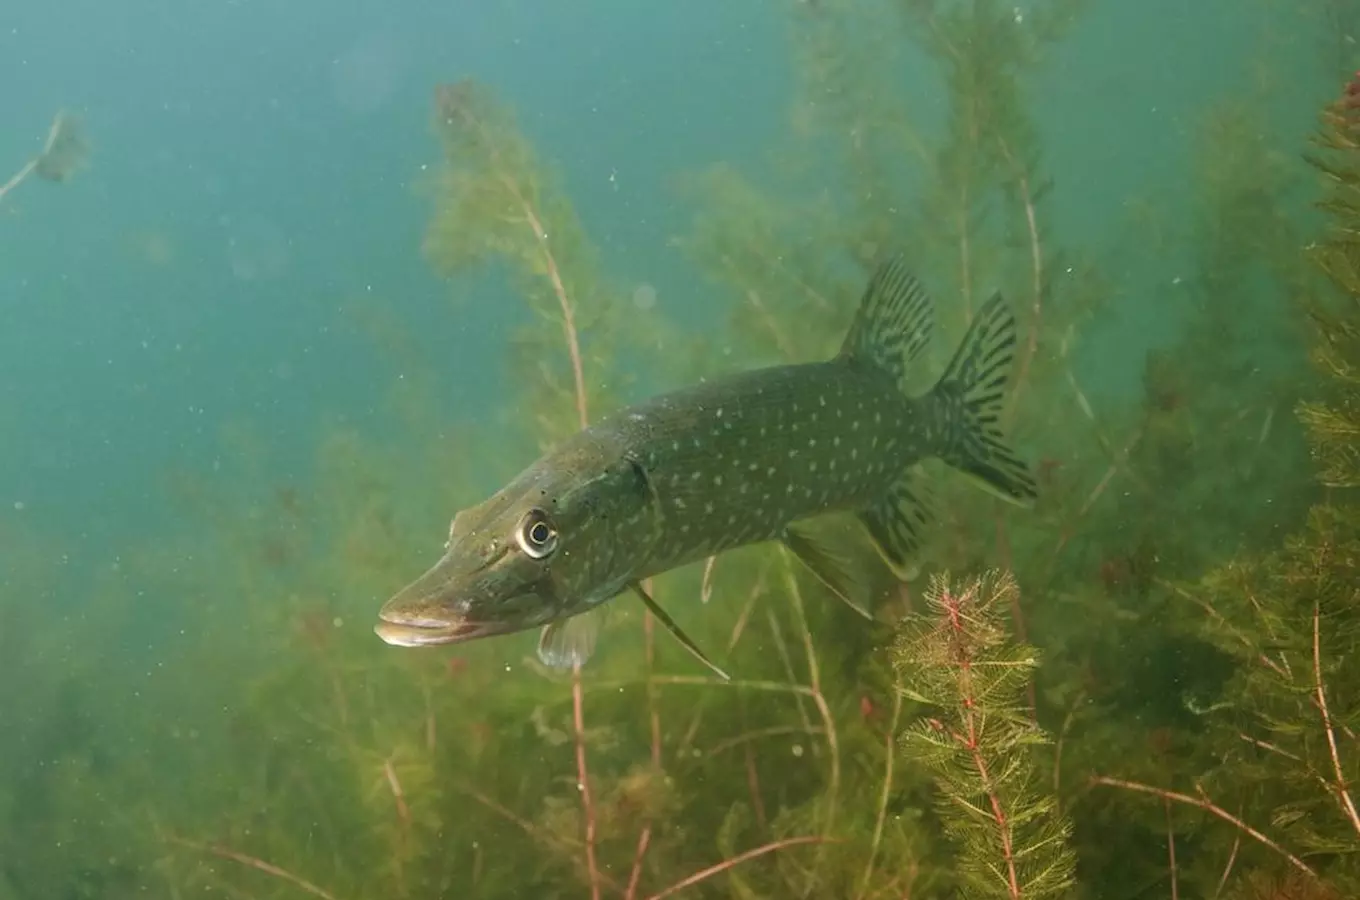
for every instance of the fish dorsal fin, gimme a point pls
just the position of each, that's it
(896, 522)
(570, 642)
(676, 631)
(893, 323)
(831, 569)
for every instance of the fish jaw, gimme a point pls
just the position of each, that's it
(440, 607)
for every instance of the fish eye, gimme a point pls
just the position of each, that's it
(536, 535)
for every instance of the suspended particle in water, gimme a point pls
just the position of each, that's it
(644, 296)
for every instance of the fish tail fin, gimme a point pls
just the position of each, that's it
(967, 405)
(890, 330)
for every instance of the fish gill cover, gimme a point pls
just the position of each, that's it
(1189, 729)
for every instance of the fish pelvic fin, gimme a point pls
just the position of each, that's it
(893, 323)
(967, 405)
(834, 572)
(897, 521)
(677, 632)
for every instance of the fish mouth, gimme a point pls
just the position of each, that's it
(401, 632)
(440, 607)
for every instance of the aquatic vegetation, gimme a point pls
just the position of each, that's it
(1284, 720)
(1187, 734)
(64, 153)
(978, 736)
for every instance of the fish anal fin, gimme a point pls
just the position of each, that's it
(677, 632)
(831, 569)
(897, 522)
(893, 323)
(568, 643)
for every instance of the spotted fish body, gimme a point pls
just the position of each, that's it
(719, 465)
(739, 460)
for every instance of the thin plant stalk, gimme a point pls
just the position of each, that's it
(256, 863)
(890, 745)
(1210, 807)
(583, 778)
(736, 861)
(1320, 691)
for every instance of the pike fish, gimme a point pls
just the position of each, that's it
(725, 463)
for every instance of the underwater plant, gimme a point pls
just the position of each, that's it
(1285, 720)
(65, 152)
(977, 735)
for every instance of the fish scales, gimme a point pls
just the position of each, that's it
(736, 461)
(720, 464)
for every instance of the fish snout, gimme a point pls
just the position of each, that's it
(429, 611)
(455, 602)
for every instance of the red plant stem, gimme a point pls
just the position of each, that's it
(297, 881)
(654, 715)
(971, 741)
(998, 813)
(583, 777)
(1343, 794)
(736, 861)
(1210, 807)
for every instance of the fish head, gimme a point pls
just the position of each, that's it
(551, 544)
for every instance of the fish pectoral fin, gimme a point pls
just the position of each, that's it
(897, 521)
(568, 643)
(831, 569)
(676, 631)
